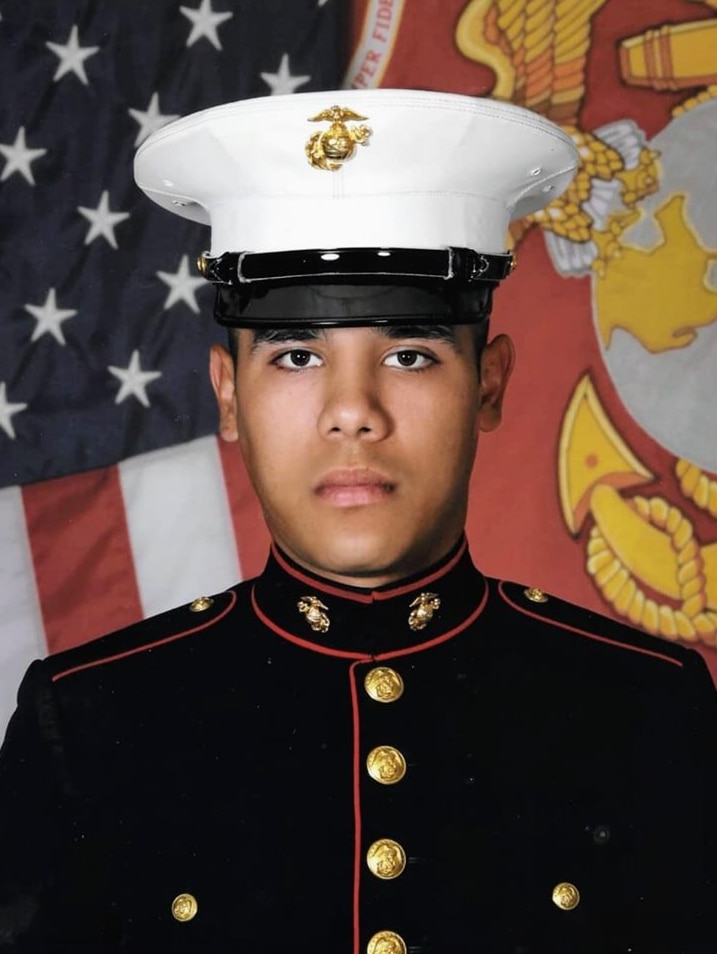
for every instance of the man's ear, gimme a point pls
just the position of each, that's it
(496, 366)
(221, 374)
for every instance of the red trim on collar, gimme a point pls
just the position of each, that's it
(395, 653)
(583, 632)
(304, 643)
(370, 595)
(366, 657)
(158, 642)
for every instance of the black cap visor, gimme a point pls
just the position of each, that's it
(315, 304)
(360, 286)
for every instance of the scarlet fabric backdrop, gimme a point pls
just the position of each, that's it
(600, 485)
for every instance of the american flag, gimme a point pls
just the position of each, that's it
(117, 500)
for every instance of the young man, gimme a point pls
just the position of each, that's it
(371, 747)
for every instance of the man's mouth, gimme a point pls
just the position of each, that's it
(348, 487)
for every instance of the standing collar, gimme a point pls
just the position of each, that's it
(357, 623)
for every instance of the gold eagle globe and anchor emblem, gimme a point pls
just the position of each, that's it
(314, 612)
(334, 146)
(422, 610)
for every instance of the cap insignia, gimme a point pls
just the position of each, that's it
(423, 608)
(334, 146)
(313, 610)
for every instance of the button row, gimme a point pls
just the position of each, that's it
(386, 765)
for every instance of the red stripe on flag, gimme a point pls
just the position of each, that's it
(249, 528)
(82, 557)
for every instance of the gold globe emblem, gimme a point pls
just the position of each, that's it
(334, 146)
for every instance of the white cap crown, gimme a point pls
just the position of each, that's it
(414, 169)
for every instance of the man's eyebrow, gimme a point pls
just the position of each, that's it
(445, 333)
(277, 335)
(436, 332)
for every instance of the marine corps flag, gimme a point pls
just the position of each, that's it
(601, 484)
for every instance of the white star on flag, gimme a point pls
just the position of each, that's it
(322, 3)
(204, 23)
(134, 380)
(19, 157)
(6, 412)
(182, 286)
(282, 81)
(49, 318)
(151, 120)
(102, 221)
(72, 56)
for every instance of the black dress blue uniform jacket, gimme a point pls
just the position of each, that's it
(516, 777)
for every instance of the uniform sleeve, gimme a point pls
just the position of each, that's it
(703, 702)
(50, 874)
(700, 803)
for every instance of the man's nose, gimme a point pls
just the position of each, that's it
(354, 408)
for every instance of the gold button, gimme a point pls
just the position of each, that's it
(386, 765)
(184, 907)
(200, 604)
(383, 684)
(535, 595)
(386, 859)
(566, 896)
(386, 942)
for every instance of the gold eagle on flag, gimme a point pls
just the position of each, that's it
(538, 52)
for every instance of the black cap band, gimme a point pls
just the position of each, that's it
(461, 265)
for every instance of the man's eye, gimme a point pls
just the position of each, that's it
(297, 359)
(409, 358)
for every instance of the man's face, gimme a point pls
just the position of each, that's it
(360, 441)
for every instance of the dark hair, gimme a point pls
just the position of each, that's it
(233, 344)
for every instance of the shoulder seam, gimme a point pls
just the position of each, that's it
(584, 632)
(140, 649)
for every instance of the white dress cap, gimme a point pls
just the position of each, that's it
(387, 169)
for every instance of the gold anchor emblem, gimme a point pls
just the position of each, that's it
(337, 144)
(313, 610)
(425, 605)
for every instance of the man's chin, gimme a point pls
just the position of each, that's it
(361, 560)
(365, 563)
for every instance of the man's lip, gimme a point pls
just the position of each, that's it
(353, 477)
(354, 487)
